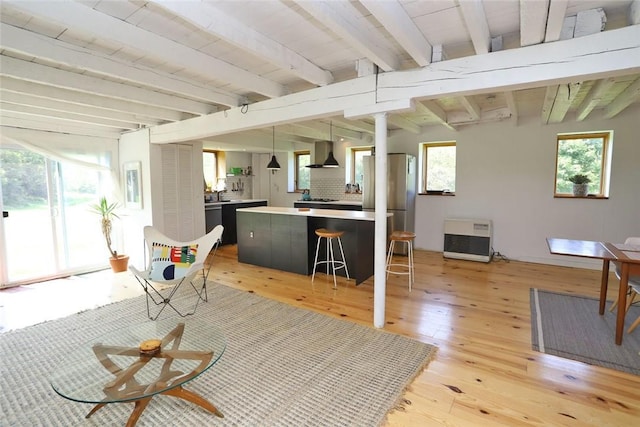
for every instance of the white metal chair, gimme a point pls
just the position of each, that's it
(171, 263)
(634, 285)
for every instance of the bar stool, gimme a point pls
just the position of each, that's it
(401, 237)
(331, 261)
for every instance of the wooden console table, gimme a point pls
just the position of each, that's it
(629, 264)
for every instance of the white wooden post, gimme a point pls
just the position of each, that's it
(380, 251)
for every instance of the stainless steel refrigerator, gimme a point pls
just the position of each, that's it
(401, 191)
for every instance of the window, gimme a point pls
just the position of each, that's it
(439, 168)
(357, 167)
(586, 154)
(303, 177)
(210, 169)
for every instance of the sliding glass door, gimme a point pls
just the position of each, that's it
(49, 230)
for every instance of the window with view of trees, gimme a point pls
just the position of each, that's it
(357, 167)
(439, 167)
(303, 175)
(584, 154)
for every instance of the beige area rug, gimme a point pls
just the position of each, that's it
(283, 366)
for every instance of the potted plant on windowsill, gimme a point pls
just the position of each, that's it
(107, 213)
(580, 184)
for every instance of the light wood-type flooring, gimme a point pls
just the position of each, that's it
(485, 372)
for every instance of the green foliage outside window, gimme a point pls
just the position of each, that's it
(303, 173)
(22, 177)
(580, 156)
(441, 167)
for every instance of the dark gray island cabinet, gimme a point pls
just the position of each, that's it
(285, 239)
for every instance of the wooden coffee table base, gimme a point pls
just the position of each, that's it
(140, 405)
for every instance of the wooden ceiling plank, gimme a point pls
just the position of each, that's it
(395, 20)
(48, 124)
(31, 71)
(82, 18)
(477, 25)
(86, 99)
(45, 112)
(622, 101)
(593, 98)
(524, 68)
(342, 18)
(38, 46)
(533, 21)
(216, 22)
(65, 107)
(555, 20)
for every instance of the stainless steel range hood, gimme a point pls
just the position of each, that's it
(322, 156)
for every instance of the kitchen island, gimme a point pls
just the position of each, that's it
(285, 239)
(223, 213)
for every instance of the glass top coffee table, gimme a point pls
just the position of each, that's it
(136, 363)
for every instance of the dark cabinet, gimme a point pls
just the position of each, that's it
(229, 220)
(334, 206)
(212, 217)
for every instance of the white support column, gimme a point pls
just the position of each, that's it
(380, 240)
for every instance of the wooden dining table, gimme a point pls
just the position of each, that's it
(628, 256)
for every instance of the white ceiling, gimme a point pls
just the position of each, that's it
(106, 67)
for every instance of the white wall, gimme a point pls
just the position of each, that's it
(505, 173)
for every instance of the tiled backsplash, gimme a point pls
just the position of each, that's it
(331, 188)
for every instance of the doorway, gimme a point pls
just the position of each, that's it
(48, 229)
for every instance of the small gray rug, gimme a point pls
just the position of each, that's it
(569, 326)
(283, 366)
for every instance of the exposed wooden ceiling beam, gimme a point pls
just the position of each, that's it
(459, 119)
(358, 125)
(342, 19)
(476, 20)
(86, 99)
(214, 21)
(27, 100)
(432, 109)
(533, 21)
(83, 18)
(537, 65)
(564, 61)
(48, 124)
(72, 117)
(512, 105)
(38, 46)
(395, 20)
(564, 100)
(628, 96)
(31, 71)
(594, 97)
(401, 122)
(471, 106)
(555, 20)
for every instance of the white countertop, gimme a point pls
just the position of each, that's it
(325, 213)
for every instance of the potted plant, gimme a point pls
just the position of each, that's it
(107, 213)
(580, 184)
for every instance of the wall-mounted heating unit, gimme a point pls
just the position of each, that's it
(468, 239)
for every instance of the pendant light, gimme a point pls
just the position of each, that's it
(331, 161)
(273, 164)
